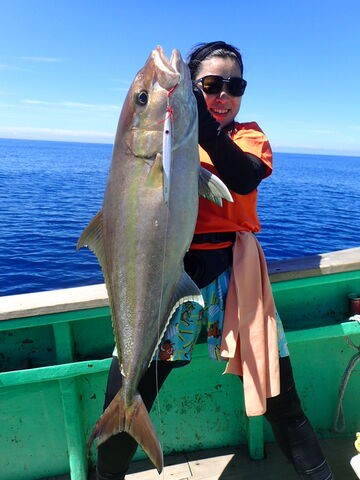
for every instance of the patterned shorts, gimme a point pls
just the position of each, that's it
(190, 318)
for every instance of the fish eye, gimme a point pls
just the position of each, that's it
(142, 98)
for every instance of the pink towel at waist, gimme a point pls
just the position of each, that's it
(249, 340)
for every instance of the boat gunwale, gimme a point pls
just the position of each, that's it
(83, 298)
(339, 261)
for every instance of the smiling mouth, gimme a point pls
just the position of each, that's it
(218, 111)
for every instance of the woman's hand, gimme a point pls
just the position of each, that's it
(208, 126)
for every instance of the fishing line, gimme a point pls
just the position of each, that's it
(168, 116)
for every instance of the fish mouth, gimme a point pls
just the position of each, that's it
(175, 60)
(168, 71)
(156, 81)
(142, 153)
(148, 159)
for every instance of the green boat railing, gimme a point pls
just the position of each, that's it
(55, 350)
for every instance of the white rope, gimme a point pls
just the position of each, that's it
(339, 422)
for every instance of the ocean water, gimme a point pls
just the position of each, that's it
(49, 191)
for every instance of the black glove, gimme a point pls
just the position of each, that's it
(208, 126)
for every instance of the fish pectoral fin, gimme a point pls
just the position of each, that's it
(212, 188)
(155, 177)
(92, 237)
(134, 420)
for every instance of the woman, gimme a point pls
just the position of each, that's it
(223, 245)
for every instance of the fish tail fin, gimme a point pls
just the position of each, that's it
(133, 419)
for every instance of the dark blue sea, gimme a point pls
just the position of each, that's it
(49, 191)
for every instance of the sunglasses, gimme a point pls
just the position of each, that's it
(213, 84)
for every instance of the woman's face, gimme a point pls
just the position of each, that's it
(222, 106)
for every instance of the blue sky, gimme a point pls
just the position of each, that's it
(66, 65)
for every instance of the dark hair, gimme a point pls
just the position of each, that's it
(204, 51)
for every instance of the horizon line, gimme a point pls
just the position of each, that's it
(275, 149)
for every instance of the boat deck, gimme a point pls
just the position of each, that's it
(235, 464)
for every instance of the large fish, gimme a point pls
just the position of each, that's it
(145, 228)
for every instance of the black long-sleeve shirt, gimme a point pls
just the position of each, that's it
(240, 171)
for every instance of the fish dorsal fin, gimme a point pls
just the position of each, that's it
(92, 237)
(186, 291)
(212, 188)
